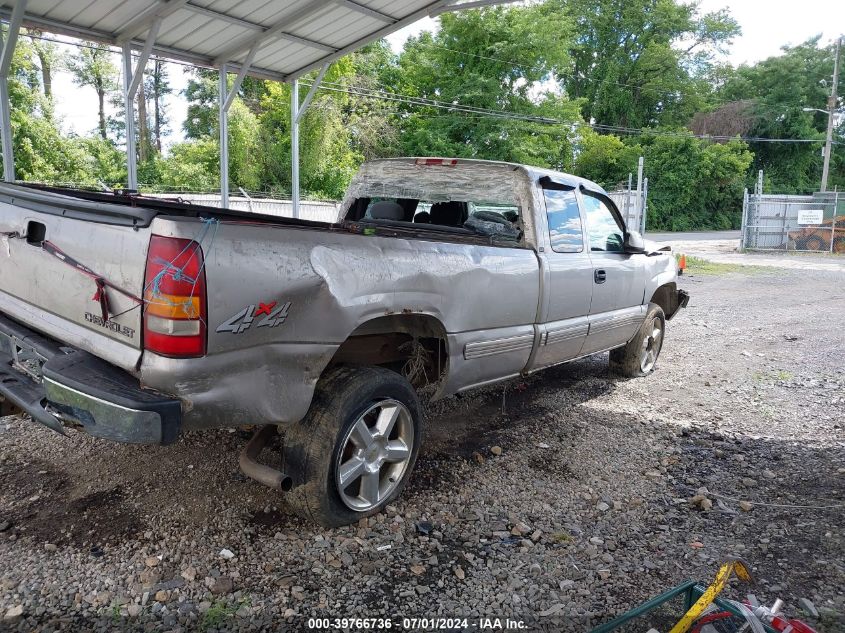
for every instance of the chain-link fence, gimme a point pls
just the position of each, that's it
(814, 223)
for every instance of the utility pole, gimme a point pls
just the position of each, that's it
(831, 110)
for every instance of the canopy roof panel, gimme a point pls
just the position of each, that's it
(285, 38)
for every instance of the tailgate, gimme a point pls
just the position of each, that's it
(45, 288)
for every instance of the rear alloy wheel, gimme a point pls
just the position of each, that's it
(354, 451)
(374, 455)
(639, 356)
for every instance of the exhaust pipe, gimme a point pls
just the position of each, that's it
(250, 466)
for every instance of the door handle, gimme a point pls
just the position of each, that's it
(600, 276)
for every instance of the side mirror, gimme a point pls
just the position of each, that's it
(634, 243)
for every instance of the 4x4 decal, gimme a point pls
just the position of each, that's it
(273, 314)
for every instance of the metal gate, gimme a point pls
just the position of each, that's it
(814, 223)
(632, 205)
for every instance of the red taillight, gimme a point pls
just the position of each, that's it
(174, 298)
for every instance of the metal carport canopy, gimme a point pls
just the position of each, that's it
(268, 39)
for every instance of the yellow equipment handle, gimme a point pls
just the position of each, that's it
(731, 566)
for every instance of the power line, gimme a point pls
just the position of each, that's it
(460, 108)
(455, 107)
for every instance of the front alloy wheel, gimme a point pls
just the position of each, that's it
(652, 342)
(639, 355)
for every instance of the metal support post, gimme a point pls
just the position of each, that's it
(5, 107)
(742, 226)
(129, 105)
(224, 139)
(644, 206)
(296, 112)
(640, 198)
(132, 79)
(294, 146)
(225, 98)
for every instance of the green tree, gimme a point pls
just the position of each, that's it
(500, 59)
(694, 184)
(92, 66)
(373, 123)
(42, 154)
(636, 62)
(201, 94)
(244, 147)
(106, 163)
(191, 166)
(778, 89)
(50, 59)
(158, 87)
(605, 159)
(327, 157)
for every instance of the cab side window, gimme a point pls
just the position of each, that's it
(605, 231)
(564, 221)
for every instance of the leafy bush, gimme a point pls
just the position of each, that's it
(693, 184)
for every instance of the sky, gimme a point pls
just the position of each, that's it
(766, 27)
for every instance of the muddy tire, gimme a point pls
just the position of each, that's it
(839, 245)
(639, 356)
(353, 452)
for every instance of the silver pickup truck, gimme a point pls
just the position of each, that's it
(135, 318)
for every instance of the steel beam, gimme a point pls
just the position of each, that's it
(475, 4)
(138, 74)
(224, 138)
(387, 30)
(145, 19)
(240, 78)
(171, 53)
(11, 41)
(129, 105)
(5, 106)
(253, 26)
(300, 110)
(246, 43)
(372, 13)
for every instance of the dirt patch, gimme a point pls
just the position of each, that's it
(95, 520)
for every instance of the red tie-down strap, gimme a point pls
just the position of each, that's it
(100, 295)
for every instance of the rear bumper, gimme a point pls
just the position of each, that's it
(56, 384)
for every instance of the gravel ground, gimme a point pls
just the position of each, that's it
(727, 252)
(562, 500)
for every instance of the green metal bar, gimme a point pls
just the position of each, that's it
(693, 592)
(692, 596)
(645, 607)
